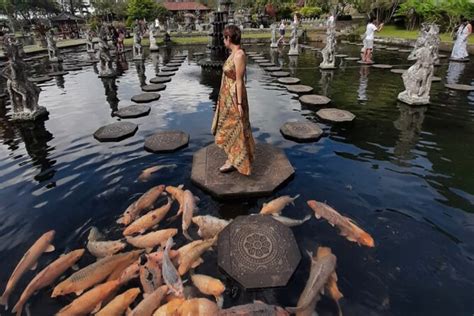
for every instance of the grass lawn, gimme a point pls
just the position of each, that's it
(395, 32)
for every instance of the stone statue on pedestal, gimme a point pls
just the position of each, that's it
(274, 43)
(329, 60)
(137, 44)
(106, 69)
(90, 42)
(23, 93)
(294, 47)
(52, 48)
(417, 79)
(153, 46)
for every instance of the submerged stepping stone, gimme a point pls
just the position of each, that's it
(460, 87)
(133, 111)
(145, 97)
(58, 73)
(335, 115)
(435, 79)
(392, 49)
(405, 50)
(154, 87)
(398, 71)
(314, 99)
(272, 68)
(167, 68)
(299, 88)
(166, 141)
(41, 79)
(341, 55)
(115, 132)
(165, 73)
(280, 74)
(269, 64)
(382, 66)
(352, 58)
(288, 80)
(301, 131)
(160, 79)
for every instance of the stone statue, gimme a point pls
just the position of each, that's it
(329, 60)
(106, 69)
(52, 48)
(90, 42)
(294, 47)
(274, 35)
(137, 44)
(23, 93)
(417, 79)
(153, 46)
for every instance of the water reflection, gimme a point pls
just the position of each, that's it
(325, 81)
(363, 81)
(292, 64)
(274, 52)
(140, 67)
(155, 61)
(208, 78)
(455, 71)
(111, 93)
(121, 65)
(409, 123)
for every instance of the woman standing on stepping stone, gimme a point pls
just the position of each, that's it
(460, 45)
(369, 39)
(231, 125)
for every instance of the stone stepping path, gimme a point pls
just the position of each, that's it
(133, 111)
(301, 131)
(352, 58)
(288, 80)
(341, 55)
(165, 73)
(146, 97)
(115, 132)
(382, 66)
(272, 68)
(257, 57)
(280, 74)
(314, 99)
(364, 63)
(160, 79)
(41, 79)
(398, 71)
(167, 68)
(166, 141)
(58, 73)
(335, 115)
(459, 87)
(269, 64)
(154, 87)
(299, 88)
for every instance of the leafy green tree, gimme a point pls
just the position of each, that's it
(142, 9)
(310, 12)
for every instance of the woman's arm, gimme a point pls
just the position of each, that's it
(239, 61)
(380, 27)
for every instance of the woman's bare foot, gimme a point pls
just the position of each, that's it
(227, 167)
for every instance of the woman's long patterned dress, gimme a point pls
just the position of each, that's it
(232, 132)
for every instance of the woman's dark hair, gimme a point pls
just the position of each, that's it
(233, 33)
(371, 19)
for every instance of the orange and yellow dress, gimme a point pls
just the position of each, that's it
(232, 132)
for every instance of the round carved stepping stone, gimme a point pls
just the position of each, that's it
(145, 97)
(259, 61)
(269, 64)
(41, 79)
(280, 74)
(340, 55)
(166, 141)
(352, 58)
(288, 80)
(258, 251)
(460, 87)
(173, 65)
(382, 66)
(154, 87)
(398, 71)
(133, 111)
(335, 115)
(364, 63)
(405, 50)
(165, 73)
(442, 56)
(257, 57)
(160, 79)
(272, 68)
(299, 88)
(58, 73)
(314, 99)
(301, 131)
(115, 132)
(392, 49)
(435, 79)
(167, 68)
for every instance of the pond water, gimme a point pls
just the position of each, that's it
(403, 173)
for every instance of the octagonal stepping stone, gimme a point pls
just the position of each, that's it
(259, 61)
(270, 169)
(167, 68)
(280, 74)
(442, 56)
(382, 66)
(459, 87)
(58, 73)
(165, 73)
(166, 141)
(258, 57)
(269, 64)
(172, 65)
(352, 58)
(299, 88)
(154, 87)
(392, 49)
(341, 55)
(301, 131)
(258, 251)
(272, 68)
(435, 79)
(160, 79)
(335, 115)
(314, 99)
(145, 97)
(115, 132)
(133, 111)
(398, 71)
(41, 79)
(405, 50)
(364, 63)
(288, 80)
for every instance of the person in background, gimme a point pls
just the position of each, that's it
(369, 39)
(231, 124)
(281, 28)
(460, 44)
